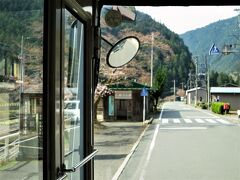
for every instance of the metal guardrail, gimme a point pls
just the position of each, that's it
(10, 135)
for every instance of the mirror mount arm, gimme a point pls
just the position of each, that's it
(107, 41)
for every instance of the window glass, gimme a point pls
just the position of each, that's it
(21, 88)
(73, 93)
(182, 118)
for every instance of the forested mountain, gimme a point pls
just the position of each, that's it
(169, 52)
(21, 31)
(15, 23)
(224, 32)
(169, 49)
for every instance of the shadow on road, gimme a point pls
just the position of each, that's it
(109, 156)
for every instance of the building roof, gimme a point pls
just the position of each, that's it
(225, 90)
(230, 85)
(33, 89)
(194, 89)
(127, 86)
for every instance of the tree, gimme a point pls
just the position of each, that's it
(213, 78)
(221, 79)
(158, 85)
(100, 92)
(238, 80)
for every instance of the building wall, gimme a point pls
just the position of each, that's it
(133, 109)
(233, 99)
(106, 115)
(137, 106)
(191, 96)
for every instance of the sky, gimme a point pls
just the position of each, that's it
(181, 19)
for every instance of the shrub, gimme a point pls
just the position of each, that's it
(217, 107)
(203, 105)
(199, 104)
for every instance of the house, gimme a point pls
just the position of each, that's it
(201, 95)
(31, 121)
(227, 94)
(126, 102)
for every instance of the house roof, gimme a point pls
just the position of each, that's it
(225, 90)
(33, 89)
(127, 86)
(230, 85)
(194, 89)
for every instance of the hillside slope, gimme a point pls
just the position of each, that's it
(222, 32)
(169, 51)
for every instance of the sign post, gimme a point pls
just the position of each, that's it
(144, 110)
(144, 93)
(212, 51)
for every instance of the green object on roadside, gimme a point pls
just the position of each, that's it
(218, 107)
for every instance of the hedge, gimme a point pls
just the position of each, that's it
(217, 107)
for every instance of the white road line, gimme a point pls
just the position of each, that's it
(188, 120)
(160, 117)
(222, 121)
(182, 128)
(211, 121)
(123, 165)
(176, 121)
(199, 121)
(150, 150)
(164, 121)
(151, 145)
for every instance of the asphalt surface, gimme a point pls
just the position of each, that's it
(124, 147)
(187, 144)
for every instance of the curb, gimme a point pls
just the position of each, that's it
(148, 121)
(219, 115)
(123, 165)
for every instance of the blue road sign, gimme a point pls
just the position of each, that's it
(144, 92)
(214, 50)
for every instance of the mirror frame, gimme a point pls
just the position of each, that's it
(109, 52)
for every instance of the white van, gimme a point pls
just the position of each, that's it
(72, 111)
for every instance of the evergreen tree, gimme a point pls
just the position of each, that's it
(158, 85)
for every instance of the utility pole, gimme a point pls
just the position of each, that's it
(234, 48)
(21, 65)
(152, 60)
(182, 85)
(238, 10)
(208, 81)
(174, 89)
(190, 80)
(196, 79)
(238, 27)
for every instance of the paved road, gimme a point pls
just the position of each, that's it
(186, 144)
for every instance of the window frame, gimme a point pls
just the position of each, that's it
(53, 86)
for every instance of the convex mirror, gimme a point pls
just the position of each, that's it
(123, 52)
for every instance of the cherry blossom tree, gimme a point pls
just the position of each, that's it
(101, 91)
